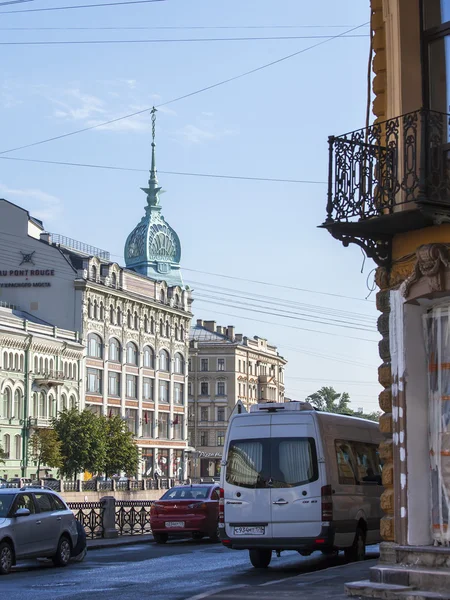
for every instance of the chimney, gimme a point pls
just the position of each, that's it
(219, 329)
(238, 337)
(199, 322)
(210, 326)
(230, 332)
(46, 237)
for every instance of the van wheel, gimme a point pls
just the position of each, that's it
(357, 551)
(6, 558)
(160, 538)
(260, 559)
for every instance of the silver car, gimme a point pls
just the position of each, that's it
(35, 523)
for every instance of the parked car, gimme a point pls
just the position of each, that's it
(294, 478)
(19, 481)
(37, 523)
(3, 482)
(182, 510)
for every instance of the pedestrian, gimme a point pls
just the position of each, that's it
(156, 479)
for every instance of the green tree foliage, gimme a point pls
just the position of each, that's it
(2, 455)
(83, 446)
(121, 452)
(45, 449)
(328, 400)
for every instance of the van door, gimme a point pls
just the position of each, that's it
(296, 479)
(247, 500)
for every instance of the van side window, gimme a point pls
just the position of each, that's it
(345, 459)
(368, 464)
(245, 463)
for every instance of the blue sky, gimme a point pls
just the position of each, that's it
(274, 123)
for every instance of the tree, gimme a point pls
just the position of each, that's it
(45, 449)
(328, 400)
(2, 455)
(82, 438)
(122, 453)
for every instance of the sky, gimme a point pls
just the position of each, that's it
(273, 123)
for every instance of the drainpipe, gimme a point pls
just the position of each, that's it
(25, 419)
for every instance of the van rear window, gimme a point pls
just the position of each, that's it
(275, 462)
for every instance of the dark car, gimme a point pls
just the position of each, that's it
(182, 510)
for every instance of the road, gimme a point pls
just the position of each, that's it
(175, 571)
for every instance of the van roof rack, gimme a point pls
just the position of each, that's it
(293, 405)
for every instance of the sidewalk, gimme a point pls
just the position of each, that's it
(318, 585)
(122, 540)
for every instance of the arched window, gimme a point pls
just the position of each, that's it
(152, 325)
(51, 411)
(17, 412)
(72, 402)
(94, 272)
(182, 333)
(21, 362)
(46, 365)
(75, 370)
(11, 361)
(119, 316)
(164, 360)
(51, 365)
(41, 365)
(112, 314)
(7, 444)
(7, 403)
(136, 321)
(129, 320)
(115, 350)
(114, 280)
(70, 371)
(42, 406)
(5, 360)
(36, 364)
(132, 354)
(16, 362)
(161, 328)
(176, 331)
(176, 300)
(18, 447)
(149, 357)
(162, 296)
(35, 405)
(90, 308)
(167, 329)
(102, 312)
(179, 364)
(63, 402)
(95, 346)
(95, 309)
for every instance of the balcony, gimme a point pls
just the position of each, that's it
(389, 178)
(50, 378)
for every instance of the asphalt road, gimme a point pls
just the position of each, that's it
(175, 571)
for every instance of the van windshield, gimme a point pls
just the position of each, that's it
(275, 462)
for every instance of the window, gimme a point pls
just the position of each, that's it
(51, 412)
(190, 365)
(119, 316)
(239, 366)
(167, 329)
(221, 364)
(95, 309)
(164, 361)
(95, 346)
(112, 315)
(93, 381)
(102, 311)
(176, 301)
(221, 388)
(115, 350)
(94, 272)
(346, 464)
(147, 424)
(63, 402)
(204, 388)
(44, 502)
(162, 296)
(203, 438)
(163, 426)
(90, 308)
(437, 53)
(190, 388)
(164, 391)
(178, 393)
(149, 357)
(113, 280)
(7, 404)
(24, 501)
(132, 386)
(18, 447)
(113, 384)
(152, 325)
(176, 331)
(146, 324)
(161, 328)
(162, 461)
(7, 445)
(367, 463)
(129, 320)
(136, 321)
(132, 420)
(220, 438)
(204, 366)
(58, 504)
(132, 354)
(182, 333)
(178, 427)
(147, 388)
(179, 364)
(221, 414)
(250, 368)
(203, 414)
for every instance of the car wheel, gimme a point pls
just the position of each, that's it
(63, 552)
(197, 535)
(6, 558)
(357, 551)
(160, 538)
(260, 559)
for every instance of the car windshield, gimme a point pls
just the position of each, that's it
(5, 504)
(187, 493)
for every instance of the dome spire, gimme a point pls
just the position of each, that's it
(153, 188)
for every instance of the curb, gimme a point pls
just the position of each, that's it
(120, 541)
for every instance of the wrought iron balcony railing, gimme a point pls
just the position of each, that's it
(389, 178)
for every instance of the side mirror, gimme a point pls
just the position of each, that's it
(22, 512)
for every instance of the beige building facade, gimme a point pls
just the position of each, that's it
(227, 372)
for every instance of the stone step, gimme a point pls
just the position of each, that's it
(432, 579)
(423, 556)
(371, 589)
(421, 595)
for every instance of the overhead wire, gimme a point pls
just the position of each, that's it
(185, 96)
(171, 27)
(77, 6)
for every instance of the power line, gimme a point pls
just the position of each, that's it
(190, 94)
(170, 27)
(27, 10)
(179, 40)
(15, 2)
(181, 173)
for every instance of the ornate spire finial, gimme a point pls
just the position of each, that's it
(153, 189)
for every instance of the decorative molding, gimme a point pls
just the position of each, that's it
(431, 262)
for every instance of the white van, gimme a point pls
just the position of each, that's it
(294, 478)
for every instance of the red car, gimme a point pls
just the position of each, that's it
(192, 509)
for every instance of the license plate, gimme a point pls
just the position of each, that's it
(258, 530)
(174, 523)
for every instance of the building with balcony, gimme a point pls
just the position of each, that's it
(389, 193)
(226, 370)
(133, 322)
(40, 374)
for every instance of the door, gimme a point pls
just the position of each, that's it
(51, 523)
(26, 530)
(247, 502)
(295, 483)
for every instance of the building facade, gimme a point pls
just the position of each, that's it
(41, 373)
(133, 322)
(398, 211)
(226, 369)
